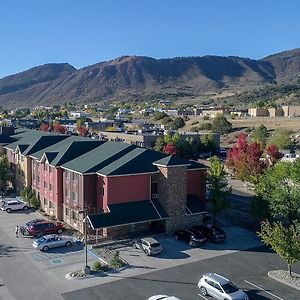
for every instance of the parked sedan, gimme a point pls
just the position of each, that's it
(163, 297)
(52, 241)
(190, 236)
(213, 233)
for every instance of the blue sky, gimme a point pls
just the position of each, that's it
(84, 32)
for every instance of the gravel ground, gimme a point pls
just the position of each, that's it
(284, 277)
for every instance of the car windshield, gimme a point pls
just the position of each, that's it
(229, 288)
(154, 245)
(41, 239)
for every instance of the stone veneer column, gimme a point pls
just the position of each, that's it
(172, 191)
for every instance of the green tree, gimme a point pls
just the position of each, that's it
(260, 135)
(80, 121)
(281, 138)
(159, 144)
(159, 115)
(221, 124)
(177, 123)
(218, 186)
(284, 240)
(279, 188)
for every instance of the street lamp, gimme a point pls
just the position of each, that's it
(86, 268)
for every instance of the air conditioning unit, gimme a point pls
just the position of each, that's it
(154, 196)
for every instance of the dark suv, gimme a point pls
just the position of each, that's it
(190, 236)
(213, 233)
(39, 228)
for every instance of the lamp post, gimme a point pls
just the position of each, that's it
(86, 268)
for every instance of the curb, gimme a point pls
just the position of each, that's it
(286, 282)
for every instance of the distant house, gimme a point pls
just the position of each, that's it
(291, 111)
(258, 112)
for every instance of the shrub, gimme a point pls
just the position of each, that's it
(116, 262)
(35, 202)
(97, 266)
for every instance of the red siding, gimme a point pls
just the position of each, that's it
(124, 189)
(196, 183)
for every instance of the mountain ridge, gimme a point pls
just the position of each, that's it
(135, 77)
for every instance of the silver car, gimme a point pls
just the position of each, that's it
(150, 246)
(220, 287)
(52, 241)
(11, 205)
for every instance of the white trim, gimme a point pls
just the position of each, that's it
(156, 209)
(140, 222)
(122, 175)
(188, 209)
(74, 171)
(173, 166)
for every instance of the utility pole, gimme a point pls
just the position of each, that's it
(86, 268)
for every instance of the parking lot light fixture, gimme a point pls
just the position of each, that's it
(86, 268)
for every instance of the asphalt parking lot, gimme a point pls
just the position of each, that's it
(46, 271)
(178, 252)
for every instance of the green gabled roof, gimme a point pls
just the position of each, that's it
(99, 157)
(50, 156)
(171, 161)
(76, 149)
(137, 161)
(128, 213)
(6, 139)
(28, 137)
(22, 148)
(67, 149)
(44, 142)
(194, 205)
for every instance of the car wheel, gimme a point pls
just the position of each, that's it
(25, 207)
(68, 244)
(147, 252)
(59, 230)
(38, 235)
(190, 244)
(176, 237)
(45, 248)
(8, 210)
(203, 291)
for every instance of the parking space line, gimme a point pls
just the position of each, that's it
(202, 296)
(260, 288)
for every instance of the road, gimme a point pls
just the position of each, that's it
(247, 269)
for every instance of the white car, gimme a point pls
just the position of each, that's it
(220, 287)
(11, 205)
(150, 246)
(52, 241)
(163, 297)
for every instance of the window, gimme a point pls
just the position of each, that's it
(67, 211)
(50, 186)
(50, 169)
(67, 192)
(38, 178)
(45, 201)
(74, 196)
(101, 191)
(51, 204)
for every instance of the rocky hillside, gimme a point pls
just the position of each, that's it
(130, 77)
